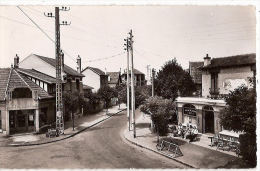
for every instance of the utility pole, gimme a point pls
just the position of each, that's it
(132, 83)
(153, 73)
(127, 84)
(148, 74)
(58, 57)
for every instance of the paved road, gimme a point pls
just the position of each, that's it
(99, 147)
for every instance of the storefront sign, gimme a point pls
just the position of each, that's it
(31, 117)
(189, 111)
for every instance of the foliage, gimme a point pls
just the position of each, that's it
(72, 102)
(106, 93)
(161, 110)
(141, 94)
(240, 115)
(172, 79)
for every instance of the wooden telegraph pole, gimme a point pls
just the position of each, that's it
(132, 83)
(153, 73)
(127, 83)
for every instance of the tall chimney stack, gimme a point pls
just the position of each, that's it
(207, 60)
(79, 64)
(16, 61)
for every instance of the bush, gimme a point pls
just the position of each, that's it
(161, 110)
(248, 148)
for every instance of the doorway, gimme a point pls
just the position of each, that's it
(21, 121)
(208, 113)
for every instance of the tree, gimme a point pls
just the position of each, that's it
(72, 102)
(106, 93)
(172, 79)
(240, 115)
(141, 94)
(161, 110)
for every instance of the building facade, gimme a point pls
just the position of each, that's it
(72, 79)
(24, 106)
(94, 77)
(139, 77)
(114, 79)
(219, 77)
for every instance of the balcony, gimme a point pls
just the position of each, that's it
(214, 93)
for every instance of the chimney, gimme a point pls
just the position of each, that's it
(62, 60)
(207, 60)
(16, 61)
(79, 64)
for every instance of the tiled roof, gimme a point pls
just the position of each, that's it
(195, 72)
(11, 78)
(114, 76)
(68, 70)
(96, 70)
(36, 74)
(135, 72)
(239, 60)
(87, 87)
(4, 75)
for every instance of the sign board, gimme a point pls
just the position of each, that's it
(189, 111)
(31, 117)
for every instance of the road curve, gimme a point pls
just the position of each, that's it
(99, 147)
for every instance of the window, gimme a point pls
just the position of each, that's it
(77, 84)
(214, 81)
(22, 93)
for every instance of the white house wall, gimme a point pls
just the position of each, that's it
(237, 76)
(206, 81)
(33, 62)
(91, 79)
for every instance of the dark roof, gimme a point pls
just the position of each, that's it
(230, 61)
(68, 70)
(87, 87)
(36, 74)
(114, 77)
(135, 72)
(4, 75)
(96, 70)
(195, 72)
(10, 78)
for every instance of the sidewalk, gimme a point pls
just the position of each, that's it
(81, 124)
(194, 155)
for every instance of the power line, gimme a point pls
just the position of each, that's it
(44, 32)
(105, 58)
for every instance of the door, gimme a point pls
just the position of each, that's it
(209, 122)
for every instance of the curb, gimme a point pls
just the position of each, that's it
(69, 136)
(161, 153)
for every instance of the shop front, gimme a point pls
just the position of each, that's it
(200, 112)
(21, 121)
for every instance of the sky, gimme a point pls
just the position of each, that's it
(161, 33)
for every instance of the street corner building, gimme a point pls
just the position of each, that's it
(24, 106)
(218, 77)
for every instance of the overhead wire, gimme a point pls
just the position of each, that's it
(44, 32)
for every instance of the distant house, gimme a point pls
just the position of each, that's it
(24, 105)
(196, 75)
(139, 77)
(72, 80)
(87, 89)
(94, 77)
(219, 77)
(114, 79)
